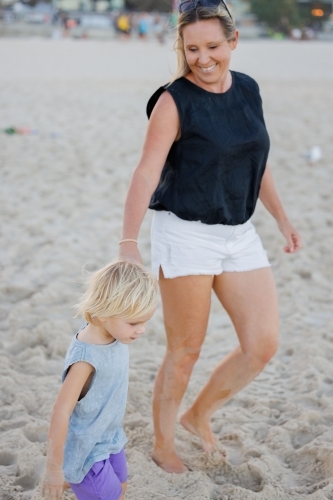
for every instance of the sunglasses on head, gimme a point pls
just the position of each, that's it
(194, 4)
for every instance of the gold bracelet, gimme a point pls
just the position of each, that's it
(127, 239)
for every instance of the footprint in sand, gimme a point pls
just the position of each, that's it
(301, 438)
(28, 482)
(36, 434)
(13, 424)
(246, 475)
(250, 478)
(326, 387)
(13, 293)
(252, 454)
(7, 458)
(311, 468)
(234, 448)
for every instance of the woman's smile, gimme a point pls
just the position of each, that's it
(208, 69)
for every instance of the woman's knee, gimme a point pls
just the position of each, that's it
(183, 359)
(263, 351)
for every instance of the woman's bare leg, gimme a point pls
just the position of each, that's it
(250, 300)
(186, 306)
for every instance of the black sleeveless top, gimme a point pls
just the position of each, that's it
(213, 172)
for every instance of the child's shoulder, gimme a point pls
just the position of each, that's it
(76, 351)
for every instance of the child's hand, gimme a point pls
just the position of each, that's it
(53, 482)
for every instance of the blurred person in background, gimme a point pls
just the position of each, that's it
(123, 25)
(159, 28)
(143, 26)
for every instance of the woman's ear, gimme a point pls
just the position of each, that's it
(234, 42)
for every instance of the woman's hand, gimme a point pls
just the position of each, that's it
(270, 198)
(291, 235)
(129, 251)
(53, 481)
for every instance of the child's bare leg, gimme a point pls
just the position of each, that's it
(123, 486)
(250, 300)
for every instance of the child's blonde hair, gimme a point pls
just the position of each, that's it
(123, 288)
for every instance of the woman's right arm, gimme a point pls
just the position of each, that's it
(163, 129)
(52, 485)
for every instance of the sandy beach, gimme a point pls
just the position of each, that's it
(62, 191)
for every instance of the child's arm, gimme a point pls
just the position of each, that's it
(53, 480)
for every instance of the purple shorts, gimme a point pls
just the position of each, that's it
(103, 481)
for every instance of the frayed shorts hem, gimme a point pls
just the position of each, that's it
(171, 273)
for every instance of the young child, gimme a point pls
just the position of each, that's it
(86, 439)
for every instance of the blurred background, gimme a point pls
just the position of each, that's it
(147, 19)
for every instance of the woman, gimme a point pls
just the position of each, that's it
(202, 170)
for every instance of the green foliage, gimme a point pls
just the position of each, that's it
(273, 11)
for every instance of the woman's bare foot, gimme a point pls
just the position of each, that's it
(200, 429)
(169, 462)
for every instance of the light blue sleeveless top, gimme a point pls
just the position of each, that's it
(95, 427)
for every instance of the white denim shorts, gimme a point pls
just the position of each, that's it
(184, 248)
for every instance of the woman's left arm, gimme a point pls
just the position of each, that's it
(271, 201)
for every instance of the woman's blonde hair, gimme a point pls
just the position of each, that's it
(192, 16)
(123, 289)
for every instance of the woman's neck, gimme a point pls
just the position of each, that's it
(215, 87)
